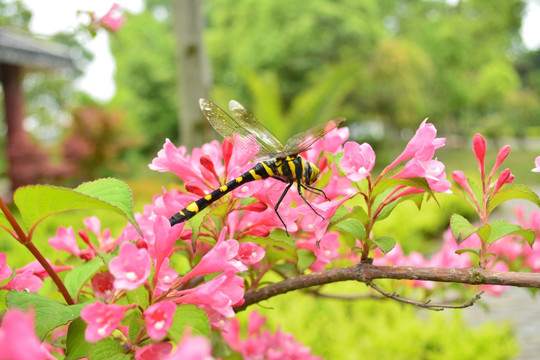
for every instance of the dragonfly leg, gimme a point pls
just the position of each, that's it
(279, 202)
(315, 190)
(307, 202)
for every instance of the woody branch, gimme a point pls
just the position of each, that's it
(368, 272)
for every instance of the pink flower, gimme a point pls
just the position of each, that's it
(501, 156)
(537, 163)
(25, 281)
(102, 319)
(65, 240)
(479, 148)
(192, 348)
(105, 241)
(18, 339)
(505, 177)
(5, 270)
(164, 238)
(113, 19)
(422, 145)
(459, 177)
(102, 284)
(166, 278)
(431, 170)
(222, 257)
(159, 318)
(250, 253)
(357, 160)
(326, 251)
(318, 223)
(262, 344)
(218, 295)
(131, 268)
(154, 351)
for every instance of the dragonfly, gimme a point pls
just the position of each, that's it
(275, 160)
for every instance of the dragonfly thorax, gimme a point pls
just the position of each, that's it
(312, 174)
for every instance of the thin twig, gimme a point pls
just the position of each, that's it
(344, 297)
(426, 304)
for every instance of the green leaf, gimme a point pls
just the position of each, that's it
(386, 184)
(305, 259)
(77, 347)
(37, 202)
(353, 227)
(76, 278)
(192, 317)
(49, 314)
(277, 239)
(139, 297)
(461, 228)
(385, 243)
(341, 214)
(195, 223)
(500, 229)
(511, 192)
(386, 211)
(359, 213)
(109, 349)
(472, 251)
(135, 319)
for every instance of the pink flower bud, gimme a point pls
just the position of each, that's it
(501, 156)
(195, 189)
(459, 177)
(227, 149)
(84, 236)
(206, 161)
(479, 148)
(256, 207)
(505, 177)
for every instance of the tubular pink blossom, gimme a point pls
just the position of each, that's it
(131, 268)
(505, 177)
(422, 145)
(459, 177)
(102, 319)
(18, 339)
(357, 161)
(159, 318)
(501, 156)
(479, 148)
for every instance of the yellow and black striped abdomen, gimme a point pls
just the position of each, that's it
(260, 171)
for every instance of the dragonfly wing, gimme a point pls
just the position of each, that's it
(303, 141)
(267, 140)
(243, 138)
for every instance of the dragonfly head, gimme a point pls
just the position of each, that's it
(311, 174)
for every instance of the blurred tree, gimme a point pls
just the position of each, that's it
(453, 62)
(146, 79)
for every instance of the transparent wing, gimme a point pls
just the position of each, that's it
(266, 139)
(303, 141)
(245, 138)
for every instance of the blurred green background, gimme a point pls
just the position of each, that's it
(385, 65)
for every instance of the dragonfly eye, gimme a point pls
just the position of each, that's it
(314, 173)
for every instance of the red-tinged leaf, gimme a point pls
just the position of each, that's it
(461, 228)
(511, 192)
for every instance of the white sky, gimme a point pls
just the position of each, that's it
(52, 16)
